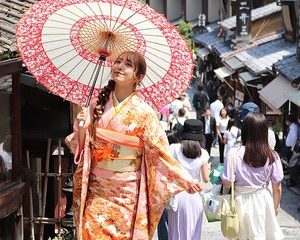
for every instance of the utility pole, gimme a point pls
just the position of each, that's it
(297, 27)
(228, 9)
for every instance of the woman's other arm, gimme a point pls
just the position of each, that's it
(277, 191)
(205, 168)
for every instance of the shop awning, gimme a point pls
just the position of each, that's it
(295, 97)
(276, 93)
(234, 63)
(245, 77)
(223, 72)
(202, 53)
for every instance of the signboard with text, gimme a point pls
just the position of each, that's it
(243, 22)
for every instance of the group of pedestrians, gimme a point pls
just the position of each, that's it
(257, 169)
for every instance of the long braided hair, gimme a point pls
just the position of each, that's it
(139, 64)
(102, 99)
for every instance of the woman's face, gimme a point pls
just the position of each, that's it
(223, 113)
(123, 71)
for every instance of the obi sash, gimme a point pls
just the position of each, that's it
(114, 155)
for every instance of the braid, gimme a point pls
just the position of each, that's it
(102, 99)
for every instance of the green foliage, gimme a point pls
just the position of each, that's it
(186, 30)
(8, 55)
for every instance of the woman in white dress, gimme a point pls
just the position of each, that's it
(222, 123)
(230, 136)
(255, 165)
(185, 222)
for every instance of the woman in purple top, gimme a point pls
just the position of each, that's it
(255, 165)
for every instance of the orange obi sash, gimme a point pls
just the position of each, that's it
(115, 151)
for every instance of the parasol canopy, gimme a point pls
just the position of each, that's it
(60, 42)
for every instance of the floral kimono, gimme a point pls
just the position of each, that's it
(125, 175)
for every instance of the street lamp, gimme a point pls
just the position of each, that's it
(201, 21)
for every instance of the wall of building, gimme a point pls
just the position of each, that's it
(193, 9)
(213, 10)
(158, 5)
(174, 9)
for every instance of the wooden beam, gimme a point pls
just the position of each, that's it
(11, 199)
(16, 126)
(10, 66)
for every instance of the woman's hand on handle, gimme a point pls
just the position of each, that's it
(81, 119)
(82, 125)
(194, 187)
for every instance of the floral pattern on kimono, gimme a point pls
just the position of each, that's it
(159, 177)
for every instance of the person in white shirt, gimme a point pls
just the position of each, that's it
(291, 137)
(174, 108)
(222, 123)
(181, 117)
(215, 108)
(210, 128)
(271, 136)
(230, 136)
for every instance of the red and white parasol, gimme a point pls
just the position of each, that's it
(60, 42)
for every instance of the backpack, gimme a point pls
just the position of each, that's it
(178, 127)
(201, 101)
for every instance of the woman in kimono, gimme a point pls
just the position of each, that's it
(125, 175)
(255, 164)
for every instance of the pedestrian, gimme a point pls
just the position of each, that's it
(124, 175)
(271, 135)
(230, 136)
(200, 100)
(222, 123)
(291, 138)
(174, 108)
(185, 222)
(215, 108)
(255, 164)
(179, 121)
(294, 165)
(210, 129)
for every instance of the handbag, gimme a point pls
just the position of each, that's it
(211, 203)
(229, 218)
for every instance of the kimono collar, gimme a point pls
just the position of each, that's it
(116, 102)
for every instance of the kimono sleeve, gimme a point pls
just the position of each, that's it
(172, 175)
